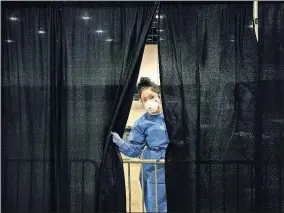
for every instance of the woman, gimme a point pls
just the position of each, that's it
(149, 139)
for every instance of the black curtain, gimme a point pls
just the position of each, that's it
(270, 110)
(209, 81)
(67, 81)
(30, 113)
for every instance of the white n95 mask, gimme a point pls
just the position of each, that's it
(151, 106)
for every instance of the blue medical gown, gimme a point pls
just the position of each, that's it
(148, 138)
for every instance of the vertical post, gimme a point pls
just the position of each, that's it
(142, 180)
(280, 188)
(210, 187)
(129, 188)
(224, 186)
(252, 189)
(18, 186)
(83, 186)
(255, 18)
(156, 187)
(238, 187)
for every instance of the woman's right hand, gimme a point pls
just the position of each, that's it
(116, 139)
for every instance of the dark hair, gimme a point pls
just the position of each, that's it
(146, 83)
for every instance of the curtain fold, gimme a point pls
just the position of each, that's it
(208, 71)
(271, 106)
(67, 81)
(103, 45)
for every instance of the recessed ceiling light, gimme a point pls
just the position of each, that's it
(9, 41)
(86, 17)
(161, 30)
(250, 25)
(109, 39)
(161, 16)
(41, 31)
(12, 18)
(232, 38)
(99, 31)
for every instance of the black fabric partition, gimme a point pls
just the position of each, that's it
(67, 81)
(209, 72)
(103, 56)
(271, 106)
(30, 113)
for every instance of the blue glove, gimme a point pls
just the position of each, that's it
(116, 139)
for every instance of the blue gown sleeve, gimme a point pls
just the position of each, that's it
(135, 144)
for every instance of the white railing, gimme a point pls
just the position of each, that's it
(141, 162)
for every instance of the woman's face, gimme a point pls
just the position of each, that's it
(149, 95)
